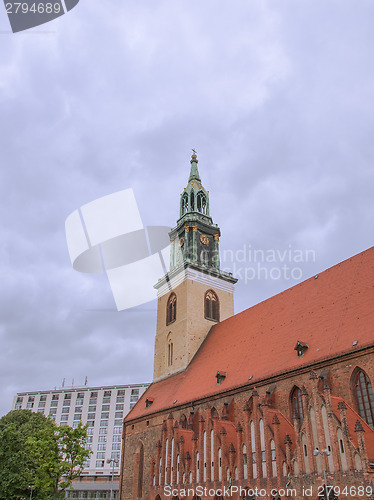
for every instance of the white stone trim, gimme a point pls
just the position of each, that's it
(195, 275)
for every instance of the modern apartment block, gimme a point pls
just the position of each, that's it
(103, 409)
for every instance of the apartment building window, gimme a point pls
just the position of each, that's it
(40, 410)
(134, 392)
(117, 439)
(64, 418)
(19, 403)
(80, 398)
(105, 408)
(115, 455)
(77, 416)
(88, 446)
(30, 402)
(105, 414)
(90, 431)
(103, 423)
(65, 409)
(119, 407)
(134, 399)
(91, 416)
(116, 446)
(118, 414)
(118, 422)
(42, 401)
(100, 454)
(75, 424)
(117, 430)
(91, 423)
(100, 463)
(102, 439)
(101, 447)
(67, 400)
(54, 403)
(121, 396)
(92, 408)
(52, 411)
(103, 430)
(93, 398)
(107, 395)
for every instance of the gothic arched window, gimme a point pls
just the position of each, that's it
(171, 309)
(184, 204)
(364, 396)
(170, 352)
(192, 201)
(211, 306)
(296, 405)
(201, 203)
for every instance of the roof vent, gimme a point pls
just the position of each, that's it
(316, 276)
(355, 342)
(301, 348)
(220, 377)
(148, 402)
(250, 377)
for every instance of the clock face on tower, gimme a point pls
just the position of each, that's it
(204, 239)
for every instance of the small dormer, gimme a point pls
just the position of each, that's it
(148, 402)
(301, 348)
(221, 375)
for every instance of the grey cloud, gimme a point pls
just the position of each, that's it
(276, 97)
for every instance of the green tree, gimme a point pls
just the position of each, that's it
(36, 453)
(59, 457)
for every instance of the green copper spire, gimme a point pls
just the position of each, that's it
(194, 174)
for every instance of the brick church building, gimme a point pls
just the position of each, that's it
(275, 401)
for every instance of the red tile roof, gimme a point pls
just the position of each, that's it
(328, 312)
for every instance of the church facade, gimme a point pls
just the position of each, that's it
(274, 402)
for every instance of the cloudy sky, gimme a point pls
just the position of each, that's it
(276, 96)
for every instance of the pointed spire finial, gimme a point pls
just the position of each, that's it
(194, 174)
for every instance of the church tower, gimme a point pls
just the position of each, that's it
(195, 294)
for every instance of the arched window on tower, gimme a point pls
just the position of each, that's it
(184, 204)
(170, 352)
(211, 306)
(364, 396)
(171, 309)
(201, 203)
(296, 405)
(192, 198)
